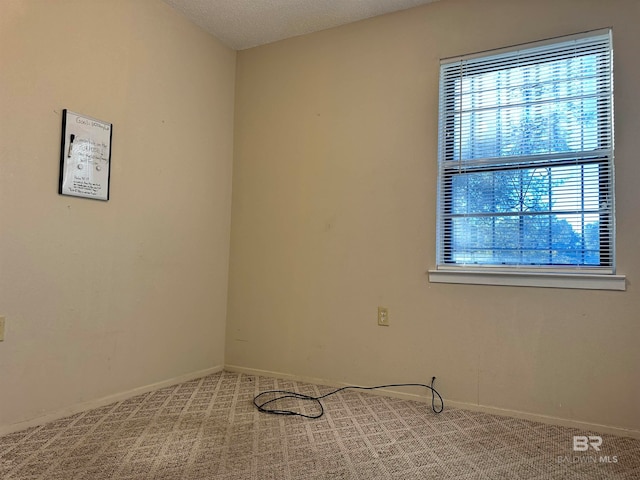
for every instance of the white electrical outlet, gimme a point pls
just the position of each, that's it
(383, 316)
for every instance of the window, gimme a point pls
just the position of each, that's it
(526, 159)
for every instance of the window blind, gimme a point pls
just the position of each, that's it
(526, 157)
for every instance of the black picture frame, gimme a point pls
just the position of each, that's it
(85, 156)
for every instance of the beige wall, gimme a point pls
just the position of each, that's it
(104, 297)
(334, 209)
(333, 213)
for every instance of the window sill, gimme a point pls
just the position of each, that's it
(529, 279)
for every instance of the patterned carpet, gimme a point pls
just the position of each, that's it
(209, 429)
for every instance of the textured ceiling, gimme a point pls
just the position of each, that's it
(244, 24)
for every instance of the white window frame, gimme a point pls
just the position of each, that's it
(582, 277)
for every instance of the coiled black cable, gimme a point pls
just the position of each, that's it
(284, 394)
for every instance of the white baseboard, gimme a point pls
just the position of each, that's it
(101, 402)
(81, 407)
(563, 422)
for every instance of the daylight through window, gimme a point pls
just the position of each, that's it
(526, 158)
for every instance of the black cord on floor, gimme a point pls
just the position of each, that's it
(282, 394)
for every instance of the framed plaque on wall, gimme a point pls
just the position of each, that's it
(85, 156)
